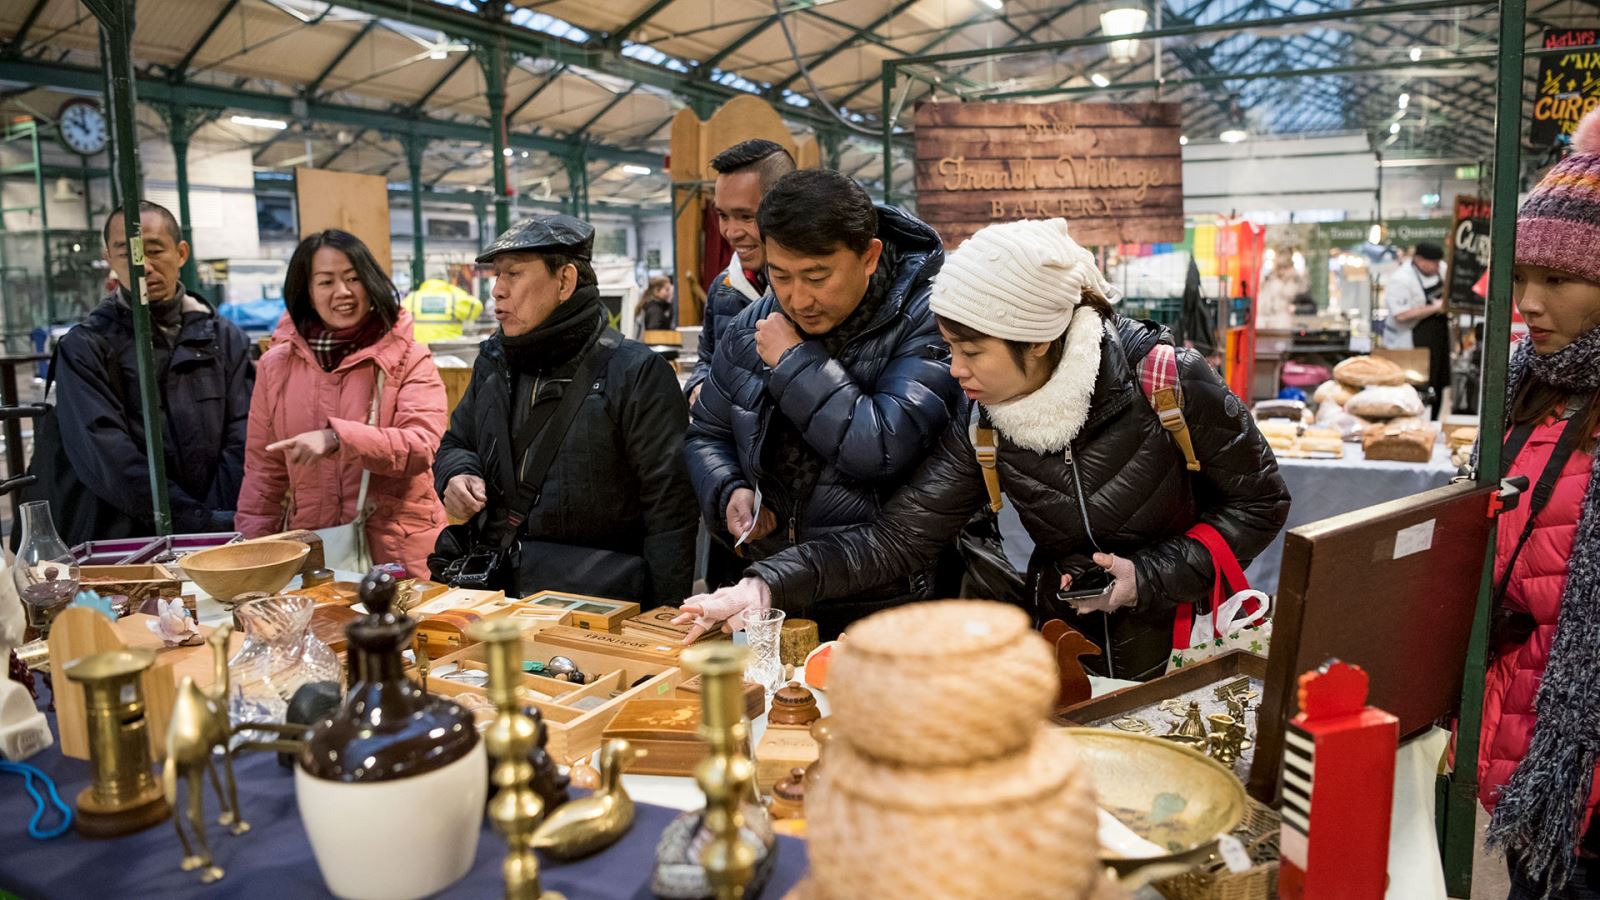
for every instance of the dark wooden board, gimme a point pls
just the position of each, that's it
(1173, 684)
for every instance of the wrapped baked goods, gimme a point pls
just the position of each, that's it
(1333, 391)
(1398, 443)
(1385, 402)
(1293, 410)
(1321, 442)
(1280, 433)
(1365, 371)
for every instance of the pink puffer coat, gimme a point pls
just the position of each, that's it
(293, 395)
(1535, 588)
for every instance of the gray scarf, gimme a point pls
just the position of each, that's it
(1541, 812)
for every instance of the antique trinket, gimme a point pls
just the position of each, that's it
(793, 705)
(590, 824)
(125, 795)
(198, 728)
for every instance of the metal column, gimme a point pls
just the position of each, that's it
(492, 58)
(415, 144)
(889, 73)
(1461, 807)
(182, 122)
(116, 30)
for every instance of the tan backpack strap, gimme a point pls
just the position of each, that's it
(1158, 379)
(983, 445)
(1170, 410)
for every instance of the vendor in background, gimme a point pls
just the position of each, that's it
(655, 308)
(613, 514)
(1099, 484)
(1537, 769)
(745, 172)
(1414, 295)
(440, 310)
(825, 395)
(90, 461)
(310, 439)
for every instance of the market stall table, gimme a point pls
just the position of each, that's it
(274, 859)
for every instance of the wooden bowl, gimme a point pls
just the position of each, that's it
(226, 572)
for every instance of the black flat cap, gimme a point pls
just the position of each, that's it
(544, 234)
(1430, 250)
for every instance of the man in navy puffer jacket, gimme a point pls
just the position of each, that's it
(826, 394)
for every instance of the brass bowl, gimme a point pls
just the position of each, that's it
(1168, 794)
(228, 571)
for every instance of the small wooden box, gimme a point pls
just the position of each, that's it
(138, 582)
(783, 747)
(644, 649)
(656, 624)
(532, 617)
(755, 696)
(666, 729)
(592, 613)
(575, 732)
(454, 598)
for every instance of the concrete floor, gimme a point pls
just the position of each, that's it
(1489, 879)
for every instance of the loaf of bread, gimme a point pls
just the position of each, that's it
(1333, 391)
(1321, 440)
(1280, 433)
(1365, 371)
(1385, 402)
(1399, 444)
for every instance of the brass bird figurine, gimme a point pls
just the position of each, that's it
(590, 824)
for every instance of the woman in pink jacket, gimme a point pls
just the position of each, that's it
(309, 440)
(1540, 741)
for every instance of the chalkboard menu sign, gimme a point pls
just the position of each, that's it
(1569, 84)
(1468, 252)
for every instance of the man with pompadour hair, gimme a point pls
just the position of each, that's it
(745, 172)
(825, 394)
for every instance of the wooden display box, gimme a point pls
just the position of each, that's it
(1174, 684)
(574, 732)
(654, 650)
(137, 582)
(592, 613)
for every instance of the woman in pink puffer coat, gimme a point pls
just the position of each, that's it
(309, 440)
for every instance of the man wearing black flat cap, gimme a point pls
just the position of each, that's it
(583, 492)
(1414, 295)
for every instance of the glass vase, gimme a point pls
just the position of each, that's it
(46, 572)
(763, 630)
(279, 654)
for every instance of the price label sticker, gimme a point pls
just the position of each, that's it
(136, 250)
(1234, 856)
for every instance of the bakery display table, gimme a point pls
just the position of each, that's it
(274, 860)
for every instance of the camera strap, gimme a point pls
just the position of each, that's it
(543, 454)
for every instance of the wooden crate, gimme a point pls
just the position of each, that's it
(592, 613)
(137, 582)
(575, 733)
(1173, 684)
(456, 379)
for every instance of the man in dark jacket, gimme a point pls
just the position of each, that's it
(94, 462)
(613, 514)
(745, 172)
(824, 396)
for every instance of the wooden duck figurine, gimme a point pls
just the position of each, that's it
(1070, 645)
(199, 726)
(590, 824)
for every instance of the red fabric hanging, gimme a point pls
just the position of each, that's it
(717, 252)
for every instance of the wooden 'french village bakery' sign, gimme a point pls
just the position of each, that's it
(1114, 171)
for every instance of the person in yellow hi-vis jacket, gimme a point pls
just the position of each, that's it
(440, 309)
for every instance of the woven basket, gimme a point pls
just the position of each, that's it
(1021, 826)
(941, 683)
(1259, 834)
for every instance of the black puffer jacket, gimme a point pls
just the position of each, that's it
(618, 482)
(871, 414)
(1139, 497)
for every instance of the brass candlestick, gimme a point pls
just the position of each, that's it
(727, 774)
(125, 795)
(516, 807)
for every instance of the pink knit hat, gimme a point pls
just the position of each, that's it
(1559, 224)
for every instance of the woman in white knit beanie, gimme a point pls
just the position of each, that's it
(1104, 490)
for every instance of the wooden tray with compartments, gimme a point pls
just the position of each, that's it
(589, 613)
(137, 582)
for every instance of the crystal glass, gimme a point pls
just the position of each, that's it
(279, 654)
(763, 630)
(46, 573)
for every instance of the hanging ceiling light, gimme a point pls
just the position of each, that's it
(1405, 100)
(1128, 20)
(1232, 136)
(632, 169)
(1416, 54)
(1100, 80)
(1394, 127)
(1183, 140)
(256, 122)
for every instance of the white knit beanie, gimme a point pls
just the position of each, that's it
(1020, 281)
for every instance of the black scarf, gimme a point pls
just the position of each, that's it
(166, 316)
(559, 339)
(1540, 814)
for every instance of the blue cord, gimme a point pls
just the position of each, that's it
(40, 808)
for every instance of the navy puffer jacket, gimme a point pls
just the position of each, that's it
(873, 413)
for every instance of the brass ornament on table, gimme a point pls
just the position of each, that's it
(515, 807)
(727, 850)
(1222, 744)
(125, 795)
(199, 727)
(591, 824)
